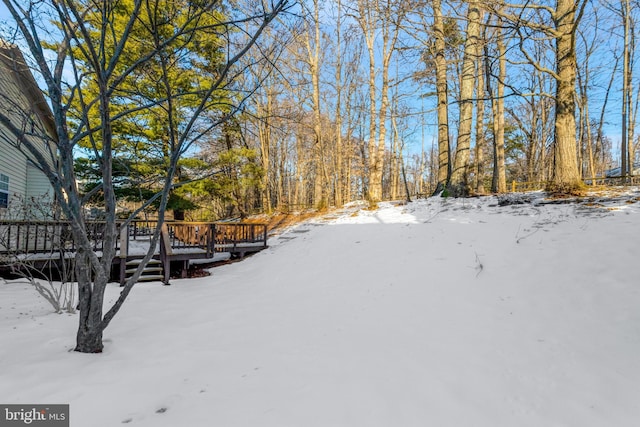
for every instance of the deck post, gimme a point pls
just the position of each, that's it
(264, 234)
(185, 269)
(235, 238)
(211, 246)
(124, 252)
(165, 252)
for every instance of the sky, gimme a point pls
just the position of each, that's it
(491, 312)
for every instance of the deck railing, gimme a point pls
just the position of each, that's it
(29, 237)
(190, 235)
(22, 237)
(231, 236)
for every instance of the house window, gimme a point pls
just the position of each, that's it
(4, 191)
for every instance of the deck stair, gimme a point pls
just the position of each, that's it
(153, 271)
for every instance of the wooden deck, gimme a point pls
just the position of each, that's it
(40, 242)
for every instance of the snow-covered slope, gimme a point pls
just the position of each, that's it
(436, 313)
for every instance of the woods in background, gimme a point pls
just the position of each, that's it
(389, 99)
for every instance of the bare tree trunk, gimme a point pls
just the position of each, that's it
(544, 172)
(633, 146)
(458, 185)
(339, 167)
(366, 18)
(585, 160)
(562, 29)
(389, 14)
(300, 195)
(625, 141)
(394, 178)
(566, 177)
(480, 139)
(499, 182)
(313, 60)
(349, 149)
(264, 129)
(630, 108)
(599, 133)
(377, 168)
(393, 167)
(444, 146)
(592, 165)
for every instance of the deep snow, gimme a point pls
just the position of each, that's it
(442, 312)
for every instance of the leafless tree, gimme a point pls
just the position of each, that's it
(533, 22)
(87, 44)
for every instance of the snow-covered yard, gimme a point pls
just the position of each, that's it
(437, 313)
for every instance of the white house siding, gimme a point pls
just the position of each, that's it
(38, 186)
(23, 103)
(14, 165)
